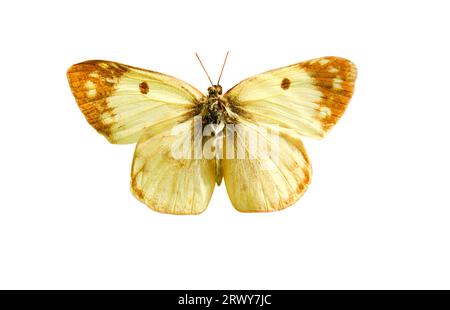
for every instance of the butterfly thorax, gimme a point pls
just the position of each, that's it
(215, 108)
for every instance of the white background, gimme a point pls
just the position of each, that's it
(375, 216)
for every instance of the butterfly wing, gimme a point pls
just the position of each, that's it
(166, 175)
(119, 101)
(270, 180)
(308, 97)
(304, 99)
(127, 105)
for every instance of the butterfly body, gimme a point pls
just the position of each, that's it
(176, 164)
(215, 108)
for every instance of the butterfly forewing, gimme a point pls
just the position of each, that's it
(308, 97)
(119, 101)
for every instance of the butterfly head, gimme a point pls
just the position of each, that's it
(215, 91)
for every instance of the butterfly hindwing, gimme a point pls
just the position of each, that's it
(166, 175)
(271, 180)
(120, 100)
(308, 97)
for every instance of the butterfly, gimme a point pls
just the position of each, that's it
(278, 107)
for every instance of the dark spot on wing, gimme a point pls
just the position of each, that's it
(143, 87)
(285, 83)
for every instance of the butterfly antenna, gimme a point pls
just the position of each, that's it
(223, 66)
(204, 69)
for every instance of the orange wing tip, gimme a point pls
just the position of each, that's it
(335, 78)
(92, 83)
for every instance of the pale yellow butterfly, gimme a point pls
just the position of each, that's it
(128, 105)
